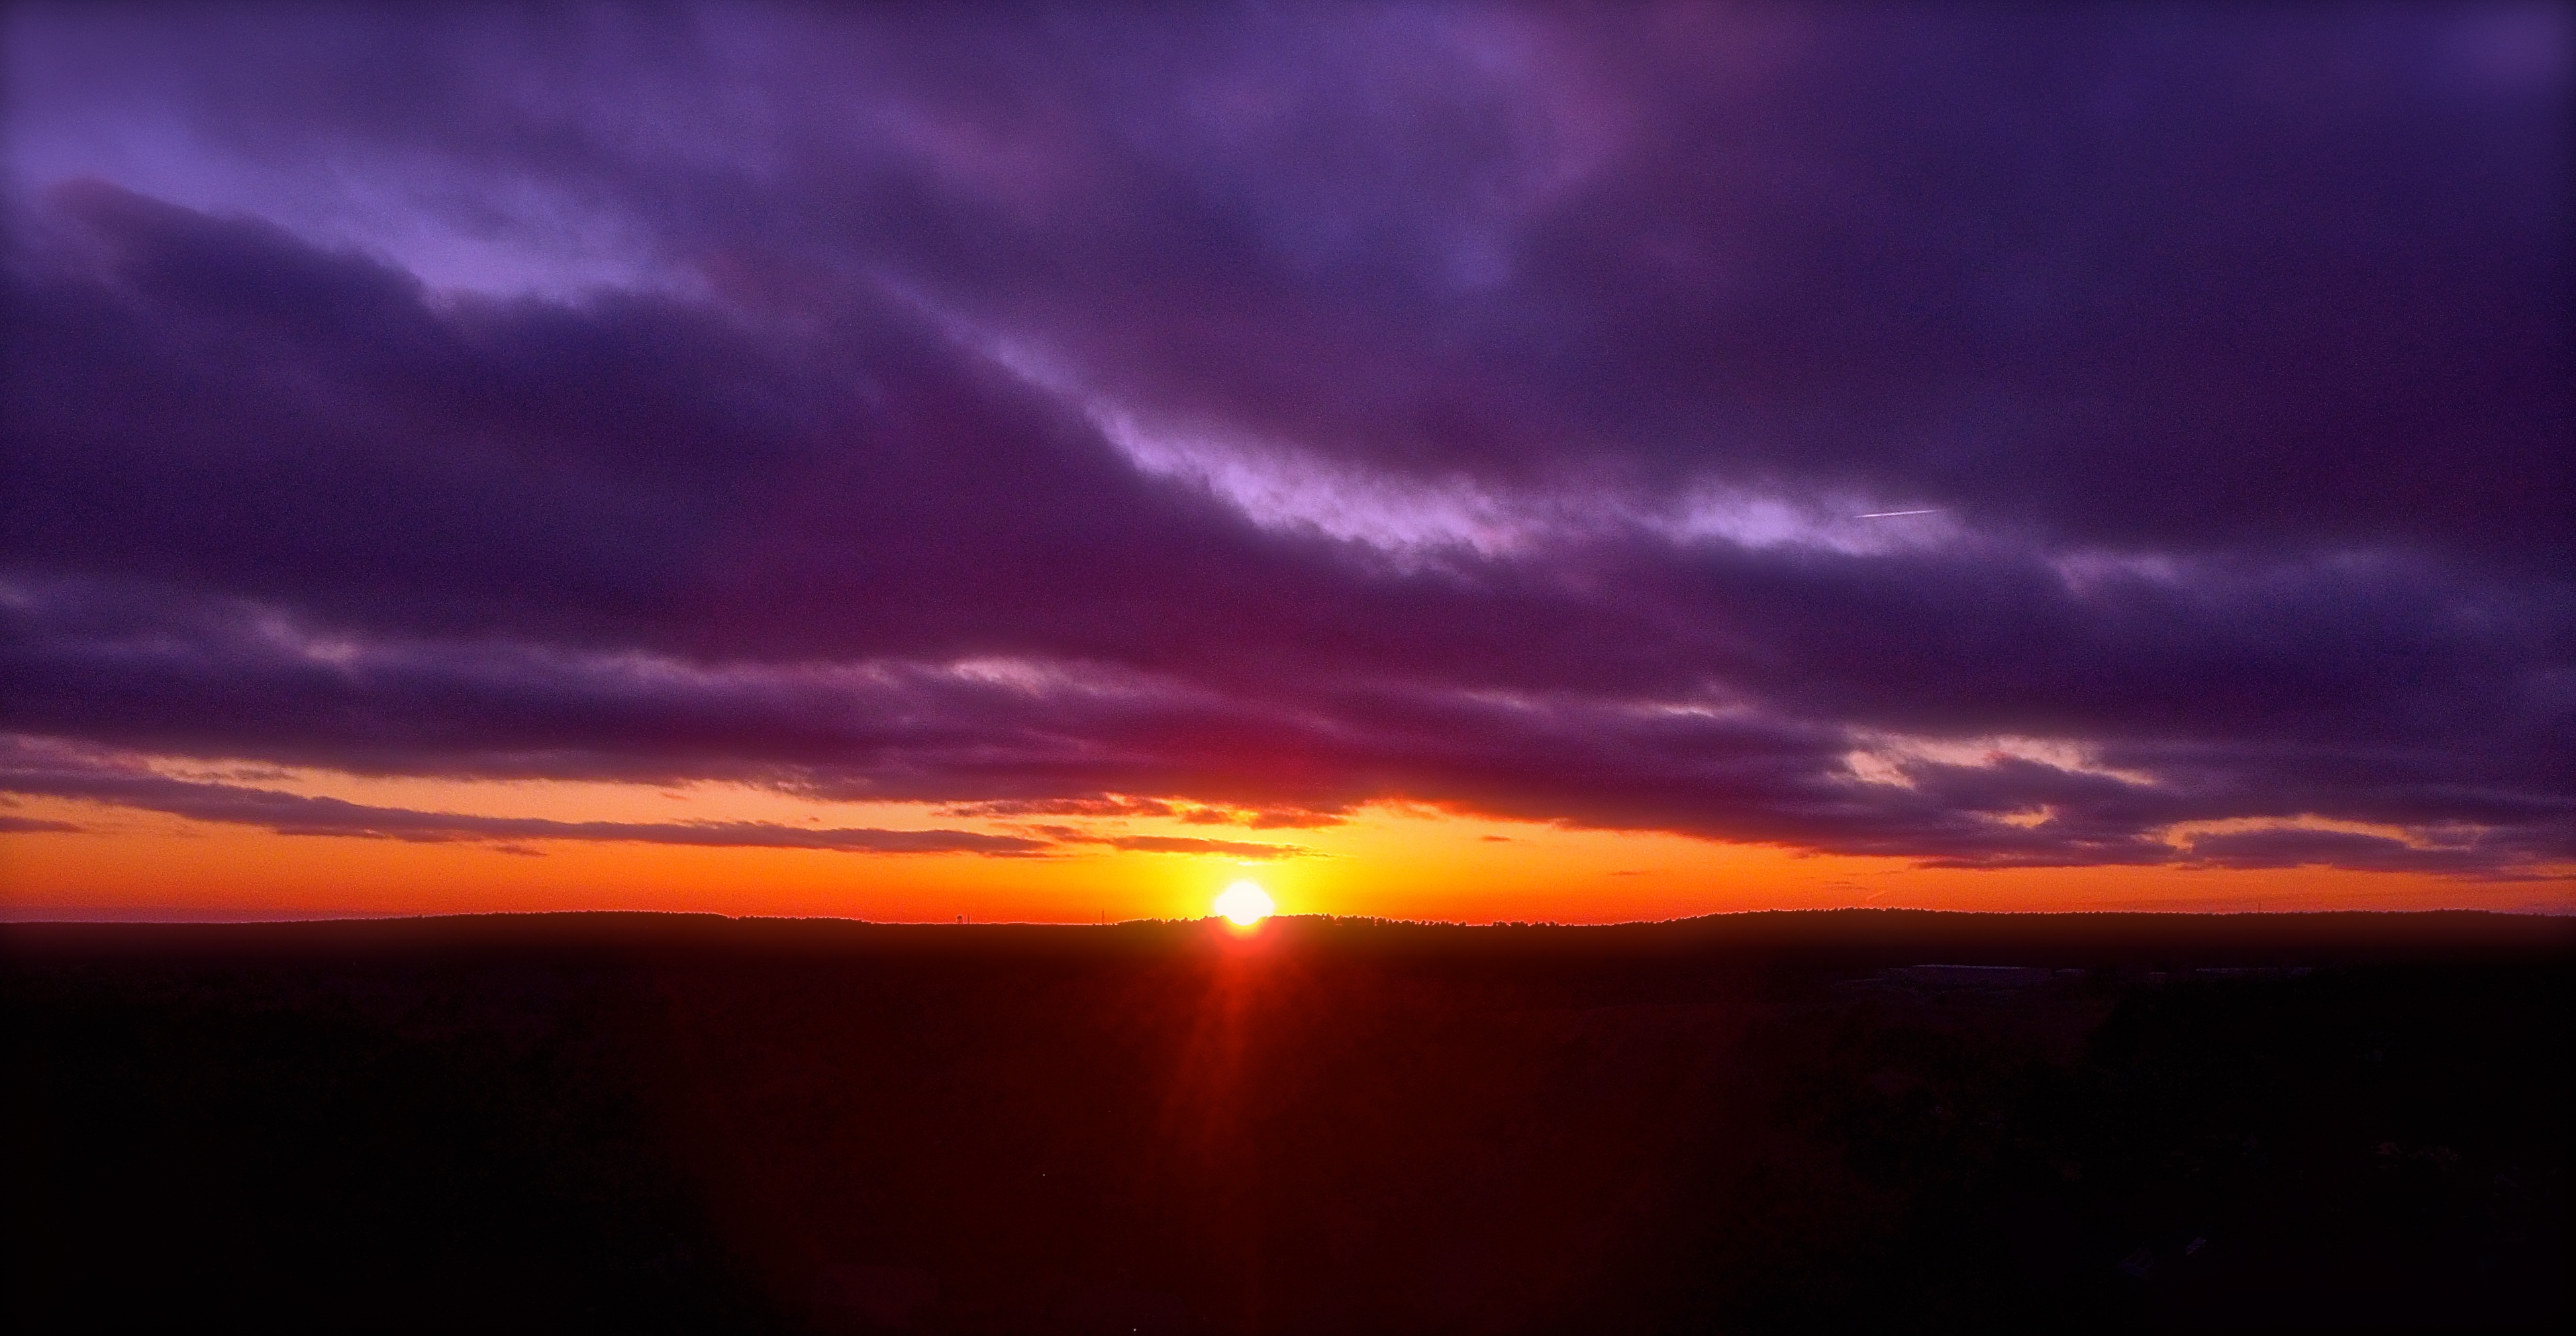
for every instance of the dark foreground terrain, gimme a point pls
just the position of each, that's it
(1755, 1123)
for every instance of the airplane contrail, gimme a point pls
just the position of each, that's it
(1891, 514)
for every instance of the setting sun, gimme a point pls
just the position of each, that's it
(1245, 903)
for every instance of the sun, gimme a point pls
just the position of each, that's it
(1245, 903)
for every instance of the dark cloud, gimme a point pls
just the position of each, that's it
(1111, 806)
(61, 776)
(1183, 844)
(1244, 415)
(2339, 848)
(1273, 818)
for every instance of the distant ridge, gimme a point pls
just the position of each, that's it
(1877, 937)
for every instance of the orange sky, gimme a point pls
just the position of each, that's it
(1390, 860)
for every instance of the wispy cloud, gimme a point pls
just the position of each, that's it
(1182, 844)
(302, 814)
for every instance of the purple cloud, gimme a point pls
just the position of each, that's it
(1271, 411)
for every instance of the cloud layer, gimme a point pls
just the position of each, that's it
(1266, 412)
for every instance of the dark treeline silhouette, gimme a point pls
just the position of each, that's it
(1746, 1123)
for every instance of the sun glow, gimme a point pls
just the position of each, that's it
(1245, 903)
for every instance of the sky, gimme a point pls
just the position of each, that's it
(1462, 461)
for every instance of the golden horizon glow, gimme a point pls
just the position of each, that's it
(1245, 903)
(1392, 859)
